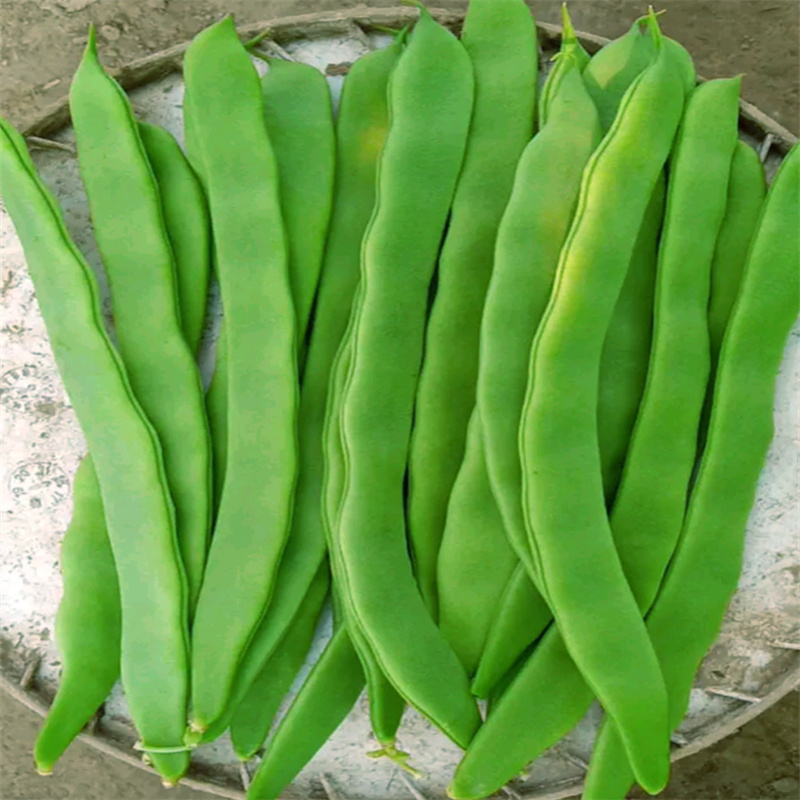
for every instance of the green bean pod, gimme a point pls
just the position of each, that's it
(88, 619)
(88, 623)
(563, 495)
(475, 560)
(646, 523)
(251, 723)
(239, 170)
(500, 39)
(187, 223)
(430, 101)
(299, 114)
(299, 118)
(139, 513)
(529, 240)
(684, 622)
(140, 267)
(746, 193)
(324, 700)
(385, 704)
(361, 125)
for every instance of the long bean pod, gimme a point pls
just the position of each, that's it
(324, 700)
(385, 704)
(500, 39)
(140, 267)
(524, 615)
(139, 513)
(558, 430)
(646, 523)
(88, 622)
(254, 514)
(683, 622)
(361, 127)
(430, 101)
(88, 619)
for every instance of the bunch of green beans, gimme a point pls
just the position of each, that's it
(494, 376)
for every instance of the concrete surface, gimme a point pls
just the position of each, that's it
(40, 48)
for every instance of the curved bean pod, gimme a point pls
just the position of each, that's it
(299, 114)
(361, 127)
(140, 267)
(562, 485)
(683, 623)
(475, 560)
(529, 239)
(253, 719)
(188, 226)
(88, 619)
(430, 100)
(88, 623)
(138, 509)
(254, 515)
(500, 39)
(324, 700)
(385, 704)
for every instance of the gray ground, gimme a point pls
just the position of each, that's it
(41, 46)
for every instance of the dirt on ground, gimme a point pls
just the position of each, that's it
(40, 49)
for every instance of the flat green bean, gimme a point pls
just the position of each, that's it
(361, 125)
(88, 623)
(126, 209)
(253, 718)
(226, 108)
(500, 39)
(324, 700)
(299, 118)
(88, 620)
(563, 497)
(299, 115)
(139, 513)
(646, 523)
(430, 101)
(385, 704)
(686, 616)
